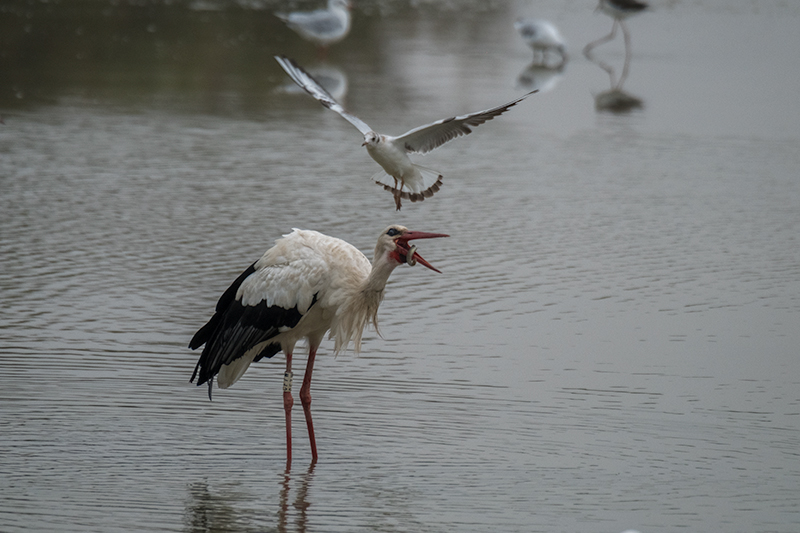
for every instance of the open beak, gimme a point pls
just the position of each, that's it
(409, 253)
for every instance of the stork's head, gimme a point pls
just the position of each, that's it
(393, 243)
(371, 139)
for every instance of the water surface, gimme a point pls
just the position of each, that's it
(613, 342)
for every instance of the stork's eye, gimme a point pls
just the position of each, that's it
(392, 232)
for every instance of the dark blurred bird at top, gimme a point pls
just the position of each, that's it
(619, 10)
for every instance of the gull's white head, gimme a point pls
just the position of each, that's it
(371, 139)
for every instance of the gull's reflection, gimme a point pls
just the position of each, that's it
(300, 501)
(330, 77)
(537, 76)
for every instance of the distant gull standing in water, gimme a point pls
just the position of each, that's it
(400, 176)
(542, 36)
(322, 27)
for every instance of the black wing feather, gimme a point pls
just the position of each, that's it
(204, 333)
(235, 328)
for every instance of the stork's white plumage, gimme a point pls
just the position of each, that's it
(304, 286)
(322, 27)
(400, 176)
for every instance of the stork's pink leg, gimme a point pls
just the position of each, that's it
(305, 398)
(288, 402)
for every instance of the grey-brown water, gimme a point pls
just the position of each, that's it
(613, 342)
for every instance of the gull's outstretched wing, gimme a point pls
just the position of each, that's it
(426, 138)
(310, 85)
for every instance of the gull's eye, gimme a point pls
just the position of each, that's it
(392, 232)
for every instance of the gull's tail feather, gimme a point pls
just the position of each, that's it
(416, 192)
(402, 190)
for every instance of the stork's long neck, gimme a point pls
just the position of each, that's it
(382, 268)
(362, 306)
(371, 293)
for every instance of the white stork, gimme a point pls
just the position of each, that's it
(322, 27)
(305, 285)
(400, 176)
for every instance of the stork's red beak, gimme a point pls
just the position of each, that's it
(408, 254)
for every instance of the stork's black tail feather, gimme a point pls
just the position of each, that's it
(205, 333)
(236, 329)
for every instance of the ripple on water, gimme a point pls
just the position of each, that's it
(600, 344)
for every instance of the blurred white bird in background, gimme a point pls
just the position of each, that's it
(543, 37)
(322, 27)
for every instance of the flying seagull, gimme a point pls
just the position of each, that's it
(404, 179)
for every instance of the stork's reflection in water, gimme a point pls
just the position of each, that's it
(300, 503)
(215, 508)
